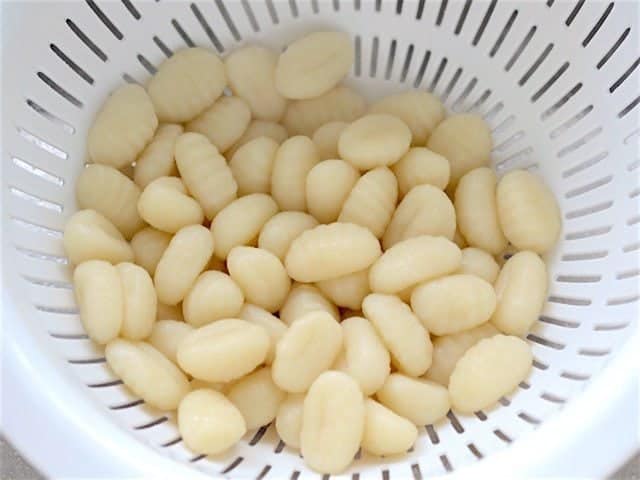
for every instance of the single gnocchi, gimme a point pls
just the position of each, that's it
(365, 358)
(328, 186)
(257, 129)
(480, 263)
(477, 211)
(274, 327)
(375, 140)
(425, 210)
(252, 164)
(186, 84)
(421, 401)
(240, 222)
(401, 332)
(448, 349)
(148, 246)
(251, 74)
(166, 335)
(453, 303)
(308, 348)
(205, 173)
(100, 299)
(282, 229)
(420, 110)
(331, 251)
(372, 201)
(139, 301)
(528, 212)
(214, 296)
(261, 276)
(223, 123)
(166, 205)
(464, 140)
(490, 369)
(303, 299)
(412, 261)
(89, 235)
(147, 373)
(257, 397)
(122, 128)
(347, 291)
(289, 419)
(111, 193)
(521, 292)
(208, 422)
(313, 65)
(184, 259)
(224, 350)
(386, 432)
(421, 166)
(326, 139)
(293, 161)
(157, 159)
(304, 117)
(333, 420)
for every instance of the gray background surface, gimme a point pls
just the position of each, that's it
(14, 467)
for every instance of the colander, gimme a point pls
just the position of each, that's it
(556, 80)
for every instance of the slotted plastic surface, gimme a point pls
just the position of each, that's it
(557, 81)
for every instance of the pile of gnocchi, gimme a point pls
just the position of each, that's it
(255, 244)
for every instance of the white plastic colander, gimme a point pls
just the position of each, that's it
(557, 81)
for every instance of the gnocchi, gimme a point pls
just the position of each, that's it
(303, 299)
(148, 246)
(157, 159)
(386, 432)
(251, 74)
(184, 259)
(420, 110)
(214, 296)
(208, 422)
(257, 397)
(528, 212)
(490, 369)
(186, 84)
(412, 261)
(480, 263)
(464, 140)
(333, 418)
(303, 117)
(521, 292)
(293, 161)
(274, 327)
(89, 235)
(308, 348)
(165, 205)
(111, 193)
(328, 185)
(347, 291)
(257, 129)
(240, 222)
(313, 65)
(421, 401)
(223, 123)
(326, 139)
(224, 350)
(371, 201)
(261, 276)
(205, 173)
(139, 301)
(166, 335)
(375, 140)
(425, 210)
(147, 373)
(122, 128)
(289, 419)
(421, 166)
(282, 229)
(252, 164)
(331, 251)
(454, 303)
(477, 212)
(401, 332)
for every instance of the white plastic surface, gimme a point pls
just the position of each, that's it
(558, 83)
